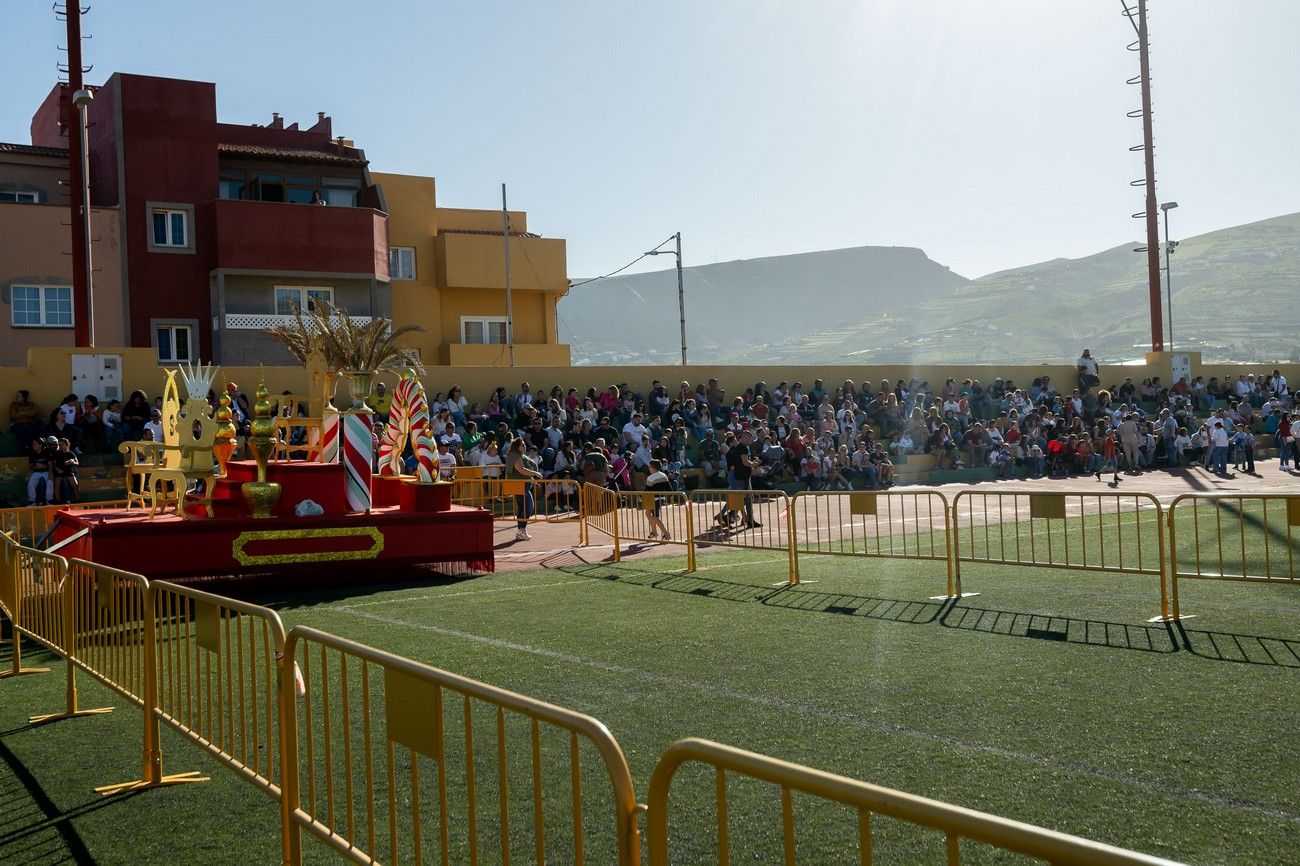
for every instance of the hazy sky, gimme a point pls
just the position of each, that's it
(989, 134)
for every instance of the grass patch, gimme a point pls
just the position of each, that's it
(1046, 698)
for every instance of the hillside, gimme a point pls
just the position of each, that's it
(1234, 290)
(732, 307)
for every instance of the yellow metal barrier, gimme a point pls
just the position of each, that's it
(218, 679)
(659, 517)
(721, 518)
(903, 524)
(27, 525)
(1116, 532)
(373, 724)
(600, 512)
(955, 822)
(1233, 536)
(9, 605)
(114, 639)
(555, 500)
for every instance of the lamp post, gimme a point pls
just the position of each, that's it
(1169, 286)
(681, 292)
(82, 99)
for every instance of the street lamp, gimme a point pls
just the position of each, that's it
(1169, 287)
(681, 292)
(82, 99)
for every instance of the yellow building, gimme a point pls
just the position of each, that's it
(448, 273)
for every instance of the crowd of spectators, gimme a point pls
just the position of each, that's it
(842, 437)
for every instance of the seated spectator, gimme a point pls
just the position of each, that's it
(61, 428)
(40, 485)
(446, 462)
(24, 419)
(63, 469)
(136, 413)
(112, 421)
(154, 425)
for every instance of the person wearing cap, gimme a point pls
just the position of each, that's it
(38, 482)
(154, 425)
(741, 462)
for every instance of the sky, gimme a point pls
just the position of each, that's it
(990, 135)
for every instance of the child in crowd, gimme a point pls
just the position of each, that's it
(63, 466)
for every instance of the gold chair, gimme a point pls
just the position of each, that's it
(140, 460)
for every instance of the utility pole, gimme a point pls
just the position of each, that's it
(78, 183)
(1152, 248)
(505, 234)
(1170, 246)
(681, 296)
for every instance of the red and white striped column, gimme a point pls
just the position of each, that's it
(329, 447)
(357, 455)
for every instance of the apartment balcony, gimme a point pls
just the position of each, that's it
(262, 321)
(278, 236)
(476, 260)
(496, 354)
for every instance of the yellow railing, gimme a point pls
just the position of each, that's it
(745, 519)
(661, 517)
(1233, 536)
(555, 500)
(906, 524)
(327, 727)
(600, 512)
(28, 524)
(373, 723)
(954, 822)
(218, 678)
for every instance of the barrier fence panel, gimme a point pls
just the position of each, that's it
(903, 524)
(10, 604)
(397, 760)
(1231, 536)
(744, 519)
(218, 678)
(661, 517)
(555, 500)
(29, 524)
(1116, 532)
(600, 512)
(114, 639)
(954, 822)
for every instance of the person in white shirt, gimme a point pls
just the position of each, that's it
(657, 480)
(446, 462)
(1218, 448)
(490, 460)
(633, 431)
(154, 425)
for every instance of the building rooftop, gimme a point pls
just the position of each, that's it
(32, 150)
(330, 154)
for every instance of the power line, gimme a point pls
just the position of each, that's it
(620, 270)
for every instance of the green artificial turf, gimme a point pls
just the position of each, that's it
(1046, 698)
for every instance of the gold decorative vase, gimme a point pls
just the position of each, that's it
(360, 386)
(262, 496)
(223, 446)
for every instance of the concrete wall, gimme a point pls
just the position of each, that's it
(33, 242)
(48, 374)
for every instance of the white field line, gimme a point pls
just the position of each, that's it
(714, 690)
(438, 596)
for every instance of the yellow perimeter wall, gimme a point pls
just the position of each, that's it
(48, 375)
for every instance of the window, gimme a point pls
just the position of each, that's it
(232, 184)
(341, 191)
(401, 263)
(42, 306)
(173, 343)
(169, 228)
(305, 298)
(483, 329)
(23, 196)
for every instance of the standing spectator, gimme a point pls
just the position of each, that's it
(1218, 448)
(741, 463)
(63, 468)
(521, 467)
(1087, 369)
(657, 481)
(1130, 439)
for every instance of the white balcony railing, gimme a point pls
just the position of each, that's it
(262, 321)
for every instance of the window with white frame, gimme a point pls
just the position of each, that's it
(22, 196)
(41, 306)
(288, 299)
(174, 342)
(170, 227)
(401, 263)
(483, 329)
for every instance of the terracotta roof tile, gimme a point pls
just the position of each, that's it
(265, 151)
(33, 150)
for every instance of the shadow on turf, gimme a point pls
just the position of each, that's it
(27, 814)
(1160, 638)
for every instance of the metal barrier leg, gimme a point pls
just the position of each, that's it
(16, 668)
(954, 560)
(151, 774)
(1169, 611)
(71, 710)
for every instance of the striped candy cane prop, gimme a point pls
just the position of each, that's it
(398, 430)
(329, 448)
(357, 453)
(426, 447)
